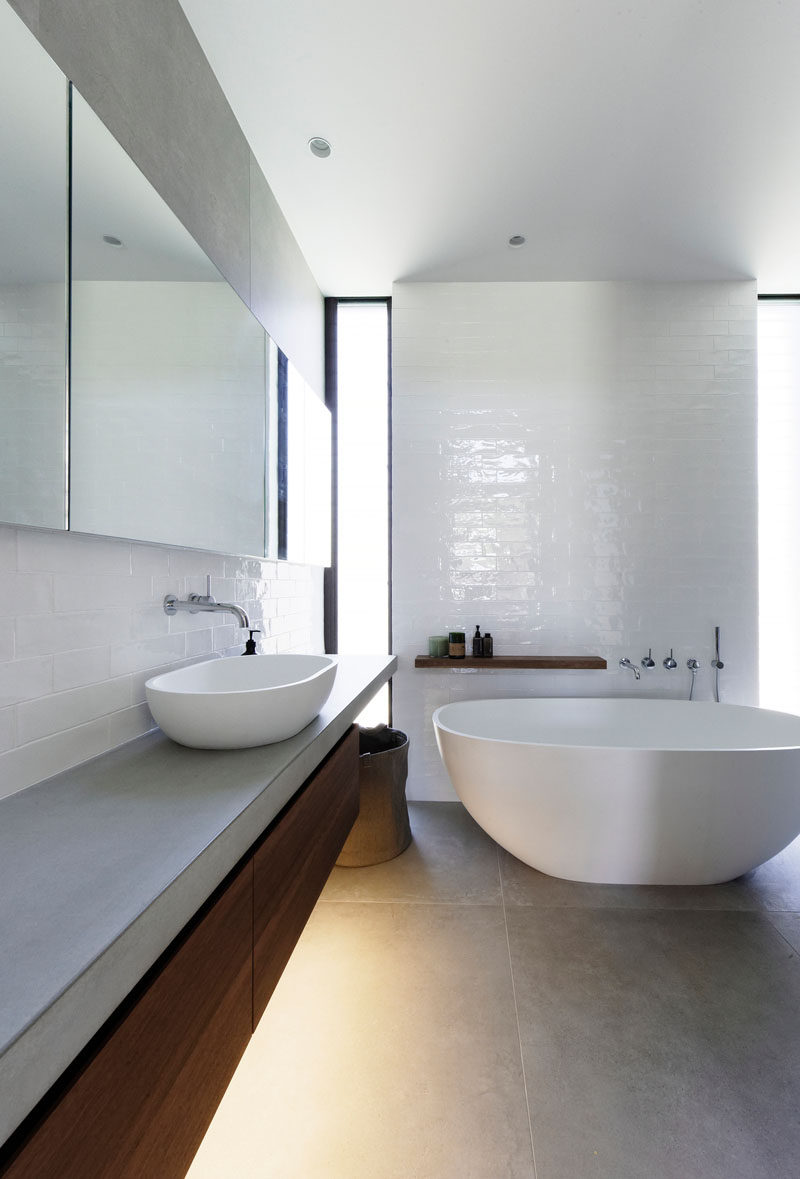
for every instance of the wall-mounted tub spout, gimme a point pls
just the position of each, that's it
(626, 663)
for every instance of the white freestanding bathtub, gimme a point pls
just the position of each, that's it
(627, 791)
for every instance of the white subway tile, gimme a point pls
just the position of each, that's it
(67, 710)
(146, 653)
(25, 593)
(226, 637)
(69, 632)
(108, 591)
(28, 764)
(130, 723)
(7, 628)
(25, 679)
(7, 729)
(73, 669)
(199, 642)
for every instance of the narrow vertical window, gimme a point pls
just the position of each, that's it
(362, 598)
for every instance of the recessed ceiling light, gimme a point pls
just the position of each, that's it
(516, 241)
(110, 240)
(319, 147)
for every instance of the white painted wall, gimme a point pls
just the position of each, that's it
(574, 468)
(82, 627)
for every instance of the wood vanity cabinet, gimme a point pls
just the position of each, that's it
(140, 1103)
(294, 861)
(139, 1099)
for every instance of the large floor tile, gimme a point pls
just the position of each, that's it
(773, 886)
(450, 859)
(776, 884)
(658, 1045)
(385, 1053)
(788, 926)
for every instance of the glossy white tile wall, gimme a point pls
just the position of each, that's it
(82, 627)
(574, 468)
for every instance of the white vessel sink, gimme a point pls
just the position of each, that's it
(241, 701)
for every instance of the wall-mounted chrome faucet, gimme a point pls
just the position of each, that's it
(670, 662)
(626, 663)
(206, 604)
(648, 660)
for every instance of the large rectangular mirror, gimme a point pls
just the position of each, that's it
(169, 379)
(176, 433)
(33, 280)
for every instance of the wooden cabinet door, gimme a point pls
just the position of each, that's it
(291, 867)
(141, 1104)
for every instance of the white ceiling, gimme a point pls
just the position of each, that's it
(639, 139)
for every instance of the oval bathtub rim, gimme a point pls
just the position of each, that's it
(618, 748)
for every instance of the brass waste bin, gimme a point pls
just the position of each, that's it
(382, 830)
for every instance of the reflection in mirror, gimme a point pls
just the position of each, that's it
(33, 251)
(169, 382)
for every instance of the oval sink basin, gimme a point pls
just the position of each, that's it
(239, 702)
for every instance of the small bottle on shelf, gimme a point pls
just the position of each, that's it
(477, 644)
(488, 646)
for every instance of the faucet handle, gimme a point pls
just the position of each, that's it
(202, 599)
(670, 662)
(648, 660)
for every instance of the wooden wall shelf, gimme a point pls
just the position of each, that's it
(517, 662)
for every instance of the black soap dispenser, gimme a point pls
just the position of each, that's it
(477, 644)
(250, 645)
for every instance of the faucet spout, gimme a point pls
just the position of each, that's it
(231, 608)
(626, 663)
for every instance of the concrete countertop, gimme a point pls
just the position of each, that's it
(103, 865)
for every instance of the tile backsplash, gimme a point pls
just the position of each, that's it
(574, 468)
(82, 627)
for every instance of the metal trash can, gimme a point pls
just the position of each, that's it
(382, 830)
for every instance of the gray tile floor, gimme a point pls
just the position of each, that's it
(454, 1014)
